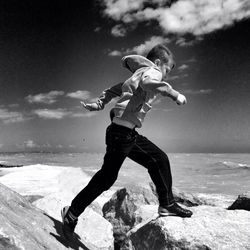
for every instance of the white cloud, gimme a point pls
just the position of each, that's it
(149, 44)
(47, 98)
(198, 92)
(191, 60)
(116, 53)
(183, 67)
(184, 42)
(196, 17)
(80, 94)
(97, 29)
(88, 114)
(51, 113)
(7, 116)
(30, 144)
(14, 105)
(59, 114)
(117, 8)
(171, 78)
(46, 145)
(118, 30)
(162, 109)
(143, 48)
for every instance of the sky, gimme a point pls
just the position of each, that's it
(53, 54)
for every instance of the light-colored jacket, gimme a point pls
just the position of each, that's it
(137, 96)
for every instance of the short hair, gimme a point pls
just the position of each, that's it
(161, 52)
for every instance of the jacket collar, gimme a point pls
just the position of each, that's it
(135, 62)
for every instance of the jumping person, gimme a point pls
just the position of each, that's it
(136, 96)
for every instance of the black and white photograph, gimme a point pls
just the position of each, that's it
(124, 124)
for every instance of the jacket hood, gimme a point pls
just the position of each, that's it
(135, 62)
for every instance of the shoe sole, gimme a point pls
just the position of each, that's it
(166, 214)
(173, 214)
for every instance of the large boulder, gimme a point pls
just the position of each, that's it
(58, 185)
(242, 202)
(129, 205)
(138, 204)
(92, 227)
(44, 180)
(51, 188)
(23, 226)
(208, 228)
(189, 200)
(122, 209)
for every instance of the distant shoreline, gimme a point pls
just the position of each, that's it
(10, 166)
(102, 152)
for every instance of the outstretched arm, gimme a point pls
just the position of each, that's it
(151, 82)
(106, 96)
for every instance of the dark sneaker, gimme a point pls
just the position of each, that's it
(69, 223)
(175, 210)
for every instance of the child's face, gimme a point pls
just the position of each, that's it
(166, 67)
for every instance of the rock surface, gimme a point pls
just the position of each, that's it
(242, 202)
(58, 184)
(23, 226)
(132, 212)
(51, 188)
(209, 228)
(44, 180)
(135, 204)
(92, 227)
(133, 207)
(121, 209)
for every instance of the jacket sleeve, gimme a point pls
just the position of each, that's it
(151, 80)
(109, 94)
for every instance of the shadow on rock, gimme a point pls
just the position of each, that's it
(74, 243)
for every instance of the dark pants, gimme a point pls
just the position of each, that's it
(123, 142)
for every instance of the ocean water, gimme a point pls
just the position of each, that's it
(226, 174)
